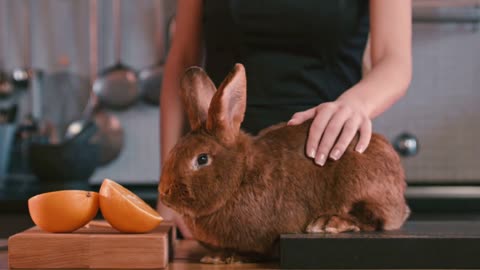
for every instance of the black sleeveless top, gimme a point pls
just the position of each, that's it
(297, 53)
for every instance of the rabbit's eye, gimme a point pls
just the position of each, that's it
(202, 159)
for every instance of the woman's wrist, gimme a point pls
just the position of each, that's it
(355, 100)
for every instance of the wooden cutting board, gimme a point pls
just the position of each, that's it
(98, 246)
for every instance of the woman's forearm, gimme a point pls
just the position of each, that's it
(387, 81)
(185, 52)
(390, 55)
(336, 123)
(171, 117)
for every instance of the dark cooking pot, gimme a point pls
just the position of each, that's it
(73, 160)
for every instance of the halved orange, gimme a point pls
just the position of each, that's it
(64, 210)
(125, 211)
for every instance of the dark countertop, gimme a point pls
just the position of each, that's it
(418, 244)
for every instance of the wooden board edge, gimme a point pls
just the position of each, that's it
(170, 243)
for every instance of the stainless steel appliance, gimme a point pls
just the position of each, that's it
(440, 113)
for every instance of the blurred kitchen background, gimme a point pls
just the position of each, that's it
(54, 39)
(66, 45)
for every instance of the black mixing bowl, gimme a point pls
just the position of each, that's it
(73, 160)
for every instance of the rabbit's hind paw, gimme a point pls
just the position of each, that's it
(223, 258)
(332, 224)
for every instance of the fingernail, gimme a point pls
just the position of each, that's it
(335, 155)
(311, 153)
(289, 122)
(321, 160)
(359, 149)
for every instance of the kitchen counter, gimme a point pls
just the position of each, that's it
(187, 256)
(188, 253)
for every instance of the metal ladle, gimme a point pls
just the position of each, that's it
(110, 135)
(116, 87)
(6, 88)
(22, 76)
(150, 78)
(5, 85)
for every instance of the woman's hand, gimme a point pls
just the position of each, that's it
(336, 123)
(334, 126)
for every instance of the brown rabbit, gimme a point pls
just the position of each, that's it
(238, 193)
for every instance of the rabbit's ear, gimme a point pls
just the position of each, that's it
(227, 108)
(197, 92)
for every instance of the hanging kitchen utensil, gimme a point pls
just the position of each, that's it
(116, 87)
(66, 90)
(6, 88)
(109, 136)
(29, 128)
(8, 115)
(30, 122)
(68, 94)
(7, 132)
(22, 76)
(150, 78)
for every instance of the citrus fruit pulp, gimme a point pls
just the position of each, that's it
(125, 211)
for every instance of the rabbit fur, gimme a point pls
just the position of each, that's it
(238, 193)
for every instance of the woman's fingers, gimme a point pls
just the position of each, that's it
(301, 117)
(348, 133)
(323, 115)
(365, 135)
(332, 131)
(319, 123)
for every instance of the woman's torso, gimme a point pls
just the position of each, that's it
(297, 53)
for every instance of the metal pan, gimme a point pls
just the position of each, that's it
(116, 87)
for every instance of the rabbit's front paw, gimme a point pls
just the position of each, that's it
(332, 224)
(317, 226)
(223, 258)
